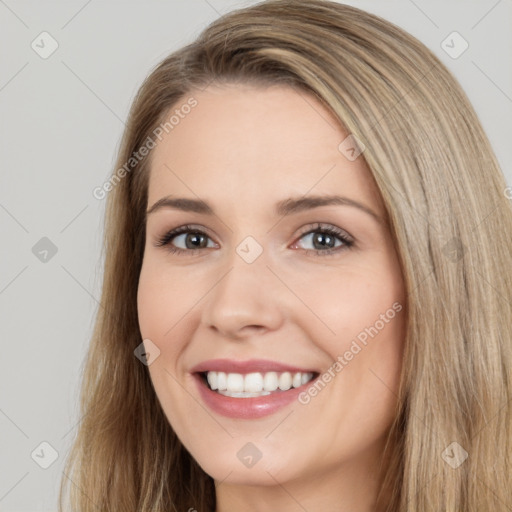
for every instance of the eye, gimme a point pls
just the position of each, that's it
(323, 237)
(192, 238)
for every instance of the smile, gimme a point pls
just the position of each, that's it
(249, 389)
(238, 385)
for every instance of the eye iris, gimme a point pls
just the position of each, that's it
(194, 239)
(322, 240)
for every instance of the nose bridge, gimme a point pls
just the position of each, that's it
(247, 294)
(247, 263)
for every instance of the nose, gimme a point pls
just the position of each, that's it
(248, 300)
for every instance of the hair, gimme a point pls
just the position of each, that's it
(450, 220)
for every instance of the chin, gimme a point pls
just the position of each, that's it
(235, 467)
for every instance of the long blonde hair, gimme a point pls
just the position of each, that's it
(451, 223)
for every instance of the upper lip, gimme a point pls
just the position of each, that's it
(248, 366)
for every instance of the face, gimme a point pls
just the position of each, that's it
(267, 283)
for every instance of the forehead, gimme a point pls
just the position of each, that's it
(247, 142)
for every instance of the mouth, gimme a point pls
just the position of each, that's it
(250, 389)
(255, 384)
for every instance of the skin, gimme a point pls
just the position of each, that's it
(242, 149)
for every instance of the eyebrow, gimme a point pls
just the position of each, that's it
(285, 207)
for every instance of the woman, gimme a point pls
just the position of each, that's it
(307, 289)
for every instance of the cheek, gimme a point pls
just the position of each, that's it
(163, 301)
(162, 309)
(365, 311)
(357, 304)
(150, 304)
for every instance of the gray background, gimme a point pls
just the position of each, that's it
(62, 119)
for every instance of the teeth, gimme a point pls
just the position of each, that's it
(255, 384)
(213, 380)
(270, 381)
(235, 382)
(297, 380)
(285, 381)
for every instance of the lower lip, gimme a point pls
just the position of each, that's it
(247, 408)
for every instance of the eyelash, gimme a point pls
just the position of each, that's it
(319, 227)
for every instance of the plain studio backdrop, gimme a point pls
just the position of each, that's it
(69, 71)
